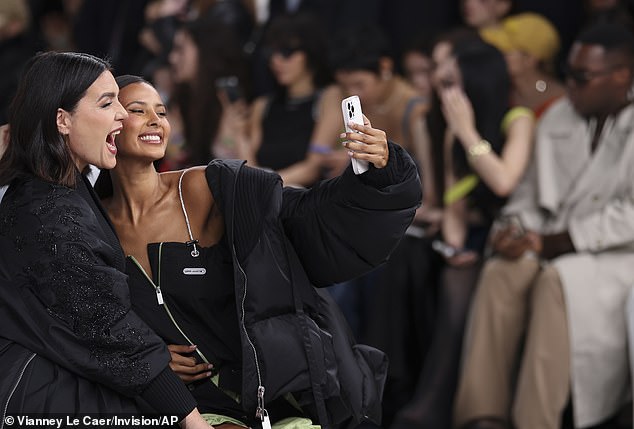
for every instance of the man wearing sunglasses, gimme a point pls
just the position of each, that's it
(551, 301)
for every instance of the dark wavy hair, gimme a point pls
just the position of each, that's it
(359, 47)
(487, 84)
(129, 79)
(219, 55)
(52, 81)
(303, 31)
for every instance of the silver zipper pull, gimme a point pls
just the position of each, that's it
(195, 253)
(261, 412)
(159, 296)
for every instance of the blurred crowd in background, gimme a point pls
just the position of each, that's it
(462, 85)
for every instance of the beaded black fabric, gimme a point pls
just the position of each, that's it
(60, 258)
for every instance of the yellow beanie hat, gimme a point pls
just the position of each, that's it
(527, 32)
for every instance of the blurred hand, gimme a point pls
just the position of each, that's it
(237, 114)
(511, 245)
(463, 259)
(234, 125)
(148, 40)
(229, 426)
(367, 143)
(555, 245)
(185, 366)
(430, 218)
(458, 111)
(194, 420)
(163, 8)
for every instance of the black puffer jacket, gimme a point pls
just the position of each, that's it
(285, 241)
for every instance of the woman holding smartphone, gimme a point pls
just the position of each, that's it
(216, 255)
(295, 128)
(481, 147)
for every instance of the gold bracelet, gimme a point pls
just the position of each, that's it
(481, 148)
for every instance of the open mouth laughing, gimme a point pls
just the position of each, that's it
(110, 144)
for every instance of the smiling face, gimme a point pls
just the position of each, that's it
(146, 129)
(90, 129)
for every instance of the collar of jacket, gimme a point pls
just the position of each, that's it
(246, 197)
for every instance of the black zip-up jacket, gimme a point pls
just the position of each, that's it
(286, 241)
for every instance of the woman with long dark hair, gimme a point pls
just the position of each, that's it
(480, 148)
(69, 342)
(204, 52)
(295, 127)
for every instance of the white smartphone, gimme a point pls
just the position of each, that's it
(515, 222)
(351, 109)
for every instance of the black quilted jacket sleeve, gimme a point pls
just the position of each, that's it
(346, 226)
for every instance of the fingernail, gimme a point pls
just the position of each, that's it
(342, 135)
(350, 153)
(193, 346)
(209, 374)
(210, 366)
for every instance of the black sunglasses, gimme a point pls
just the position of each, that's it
(284, 51)
(583, 77)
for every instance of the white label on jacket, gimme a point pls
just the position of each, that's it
(194, 271)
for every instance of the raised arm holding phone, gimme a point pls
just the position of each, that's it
(216, 254)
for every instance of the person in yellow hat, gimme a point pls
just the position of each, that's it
(530, 43)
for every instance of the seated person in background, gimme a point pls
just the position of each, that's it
(485, 15)
(363, 66)
(480, 149)
(609, 11)
(204, 51)
(294, 129)
(417, 66)
(551, 300)
(530, 43)
(218, 254)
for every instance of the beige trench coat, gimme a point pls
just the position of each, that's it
(591, 196)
